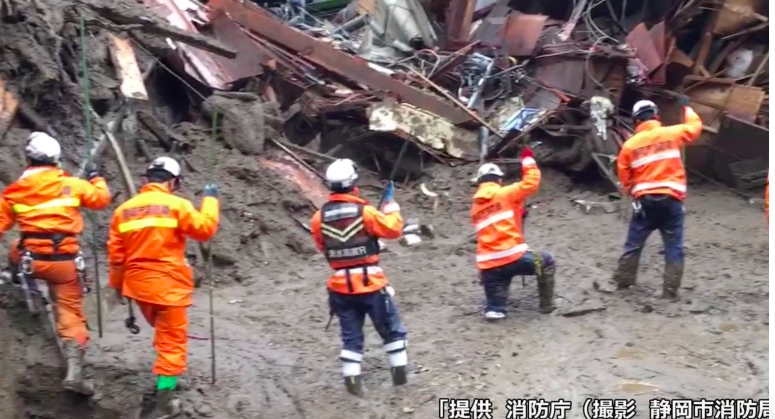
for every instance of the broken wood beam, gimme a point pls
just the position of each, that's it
(343, 64)
(168, 138)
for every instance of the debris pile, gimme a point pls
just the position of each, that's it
(460, 79)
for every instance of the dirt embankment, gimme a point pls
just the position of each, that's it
(276, 360)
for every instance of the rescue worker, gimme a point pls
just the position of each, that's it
(346, 229)
(497, 214)
(146, 251)
(45, 201)
(651, 171)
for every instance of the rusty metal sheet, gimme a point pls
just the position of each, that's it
(641, 41)
(123, 56)
(459, 16)
(250, 58)
(660, 39)
(490, 30)
(9, 105)
(562, 72)
(521, 33)
(333, 60)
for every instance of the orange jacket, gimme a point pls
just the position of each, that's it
(497, 216)
(147, 245)
(650, 161)
(386, 224)
(48, 200)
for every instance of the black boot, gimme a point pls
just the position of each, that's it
(399, 375)
(627, 271)
(354, 385)
(161, 404)
(546, 290)
(672, 281)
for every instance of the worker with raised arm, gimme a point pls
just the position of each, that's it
(651, 171)
(346, 229)
(146, 252)
(497, 214)
(45, 202)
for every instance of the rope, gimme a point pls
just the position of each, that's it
(91, 215)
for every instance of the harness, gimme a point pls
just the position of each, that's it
(27, 257)
(345, 240)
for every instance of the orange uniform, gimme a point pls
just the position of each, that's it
(497, 216)
(346, 230)
(650, 161)
(45, 201)
(146, 251)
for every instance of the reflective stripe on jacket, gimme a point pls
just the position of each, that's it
(147, 245)
(356, 272)
(497, 217)
(47, 200)
(650, 161)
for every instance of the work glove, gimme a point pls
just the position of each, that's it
(683, 100)
(210, 190)
(389, 192)
(526, 152)
(91, 171)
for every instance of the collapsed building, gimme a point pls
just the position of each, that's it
(462, 80)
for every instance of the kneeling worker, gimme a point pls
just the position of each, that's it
(346, 229)
(501, 252)
(45, 202)
(146, 251)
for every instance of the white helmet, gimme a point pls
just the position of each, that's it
(642, 106)
(42, 147)
(342, 174)
(489, 169)
(167, 164)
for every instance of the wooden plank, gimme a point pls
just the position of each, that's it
(735, 15)
(9, 105)
(123, 57)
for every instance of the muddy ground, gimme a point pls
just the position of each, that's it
(274, 358)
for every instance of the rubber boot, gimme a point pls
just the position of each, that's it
(546, 291)
(627, 271)
(75, 381)
(354, 385)
(163, 404)
(672, 281)
(399, 375)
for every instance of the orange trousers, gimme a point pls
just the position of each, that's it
(66, 295)
(171, 337)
